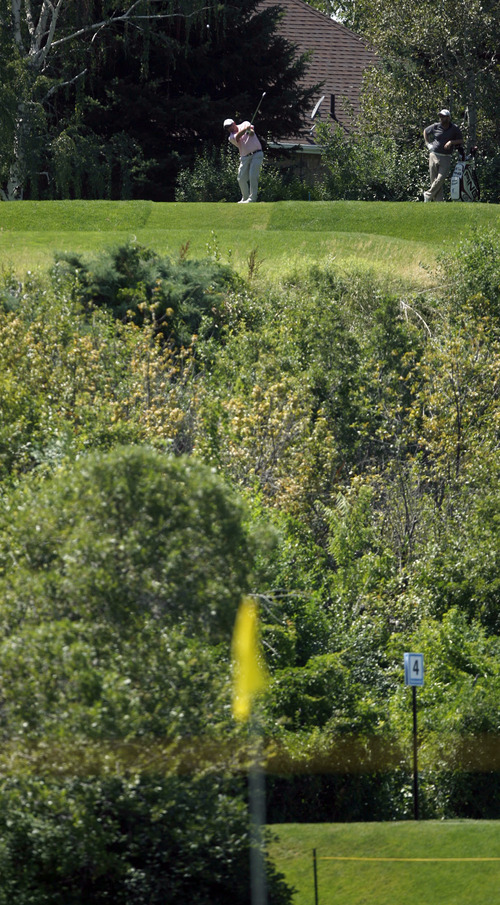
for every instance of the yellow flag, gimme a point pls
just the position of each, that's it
(249, 671)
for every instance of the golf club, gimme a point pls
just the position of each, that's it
(464, 181)
(313, 114)
(258, 106)
(318, 105)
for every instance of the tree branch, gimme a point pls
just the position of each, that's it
(125, 17)
(59, 85)
(43, 33)
(42, 53)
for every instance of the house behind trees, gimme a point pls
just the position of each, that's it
(339, 60)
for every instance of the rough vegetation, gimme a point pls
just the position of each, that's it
(324, 445)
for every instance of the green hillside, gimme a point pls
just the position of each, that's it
(396, 240)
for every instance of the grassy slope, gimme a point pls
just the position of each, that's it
(391, 881)
(395, 240)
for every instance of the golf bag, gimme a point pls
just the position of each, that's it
(464, 181)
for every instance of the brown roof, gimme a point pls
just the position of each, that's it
(339, 57)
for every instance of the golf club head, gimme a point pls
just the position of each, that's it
(318, 105)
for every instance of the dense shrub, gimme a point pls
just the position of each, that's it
(315, 797)
(115, 700)
(213, 178)
(488, 170)
(182, 298)
(473, 272)
(148, 840)
(363, 425)
(367, 167)
(357, 165)
(126, 534)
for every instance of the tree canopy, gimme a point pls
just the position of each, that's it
(115, 685)
(124, 535)
(432, 59)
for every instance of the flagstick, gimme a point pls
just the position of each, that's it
(257, 808)
(250, 676)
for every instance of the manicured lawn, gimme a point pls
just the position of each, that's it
(436, 862)
(399, 242)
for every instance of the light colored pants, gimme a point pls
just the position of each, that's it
(248, 175)
(439, 167)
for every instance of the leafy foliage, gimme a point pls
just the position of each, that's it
(118, 536)
(361, 429)
(181, 299)
(212, 177)
(473, 273)
(66, 390)
(114, 702)
(367, 166)
(147, 838)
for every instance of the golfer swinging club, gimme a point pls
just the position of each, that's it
(251, 157)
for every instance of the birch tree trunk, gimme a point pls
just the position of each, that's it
(472, 108)
(14, 187)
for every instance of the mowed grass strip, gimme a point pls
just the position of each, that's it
(397, 241)
(436, 862)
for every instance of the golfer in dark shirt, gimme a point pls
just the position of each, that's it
(440, 139)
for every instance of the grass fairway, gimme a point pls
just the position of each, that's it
(398, 241)
(451, 862)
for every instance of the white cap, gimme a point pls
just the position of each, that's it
(228, 122)
(445, 113)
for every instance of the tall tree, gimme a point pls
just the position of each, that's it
(139, 88)
(434, 57)
(47, 39)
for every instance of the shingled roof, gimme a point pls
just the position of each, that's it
(339, 57)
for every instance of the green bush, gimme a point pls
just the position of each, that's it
(125, 535)
(213, 177)
(473, 272)
(320, 692)
(120, 576)
(360, 166)
(181, 298)
(147, 840)
(367, 167)
(488, 171)
(277, 184)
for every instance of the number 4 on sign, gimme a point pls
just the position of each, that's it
(414, 669)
